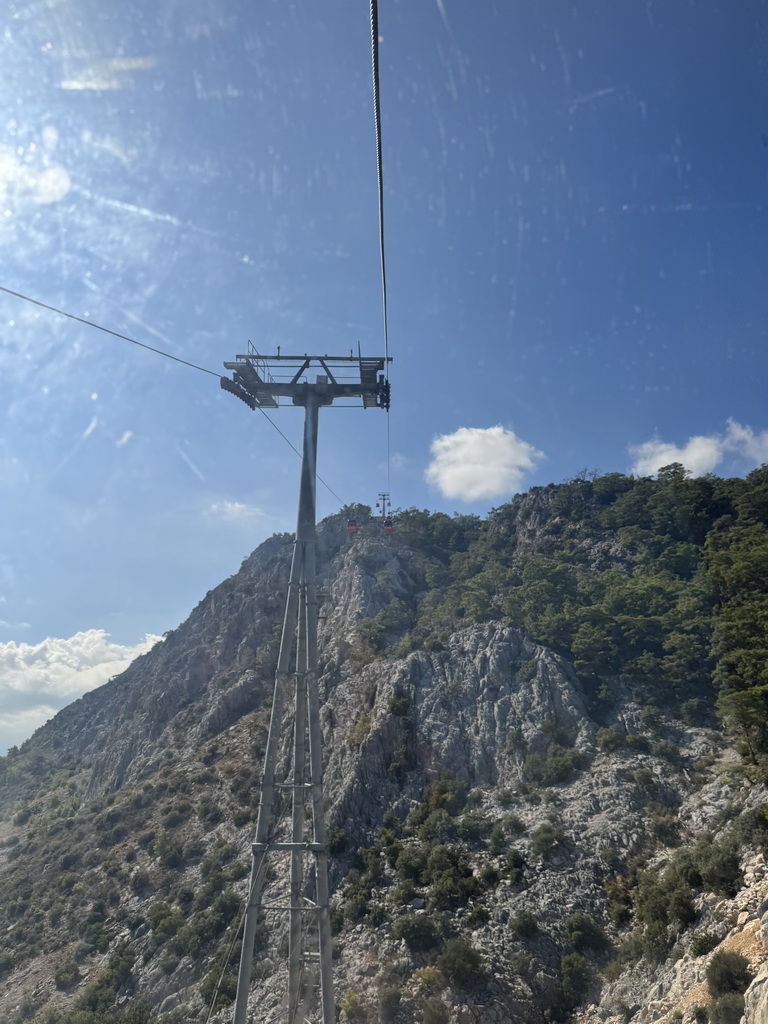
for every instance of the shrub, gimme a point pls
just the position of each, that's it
(224, 993)
(439, 827)
(356, 897)
(99, 994)
(514, 863)
(575, 977)
(497, 841)
(360, 730)
(560, 765)
(667, 750)
(377, 914)
(210, 813)
(337, 918)
(145, 839)
(168, 850)
(164, 921)
(430, 980)
(703, 943)
(728, 1009)
(412, 863)
(220, 853)
(238, 869)
(351, 1007)
(451, 878)
(546, 838)
(679, 899)
(434, 1011)
(477, 916)
(489, 875)
(461, 964)
(752, 827)
(446, 793)
(192, 850)
(389, 1004)
(718, 865)
(337, 841)
(727, 972)
(644, 779)
(403, 893)
(655, 942)
(67, 975)
(665, 828)
(169, 963)
(612, 737)
(513, 825)
(584, 933)
(474, 827)
(417, 931)
(177, 813)
(392, 851)
(524, 925)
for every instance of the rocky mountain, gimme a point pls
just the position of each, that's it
(545, 758)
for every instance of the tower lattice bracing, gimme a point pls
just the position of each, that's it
(288, 892)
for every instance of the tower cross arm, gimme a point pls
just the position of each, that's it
(260, 381)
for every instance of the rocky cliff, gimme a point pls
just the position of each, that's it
(515, 838)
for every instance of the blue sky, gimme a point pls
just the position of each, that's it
(576, 215)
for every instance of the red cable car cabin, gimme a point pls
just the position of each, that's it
(351, 526)
(388, 527)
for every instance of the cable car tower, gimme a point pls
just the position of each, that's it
(291, 818)
(386, 512)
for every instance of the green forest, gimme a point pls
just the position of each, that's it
(658, 583)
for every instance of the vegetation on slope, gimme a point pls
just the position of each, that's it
(659, 584)
(654, 587)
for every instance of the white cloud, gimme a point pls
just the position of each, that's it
(125, 437)
(235, 511)
(701, 454)
(37, 680)
(475, 463)
(16, 726)
(745, 441)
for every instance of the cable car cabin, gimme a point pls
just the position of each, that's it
(351, 526)
(388, 526)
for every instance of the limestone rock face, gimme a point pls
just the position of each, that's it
(507, 717)
(756, 1000)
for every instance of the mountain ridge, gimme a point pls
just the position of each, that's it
(519, 722)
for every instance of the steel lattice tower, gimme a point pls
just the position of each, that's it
(261, 381)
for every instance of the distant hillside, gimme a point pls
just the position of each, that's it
(546, 748)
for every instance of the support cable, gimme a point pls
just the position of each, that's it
(379, 174)
(159, 352)
(380, 184)
(106, 330)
